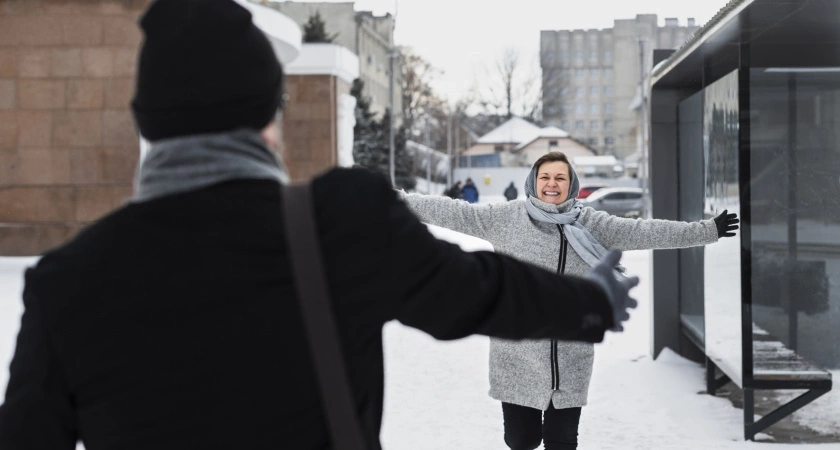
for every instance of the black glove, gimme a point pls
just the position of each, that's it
(726, 224)
(617, 287)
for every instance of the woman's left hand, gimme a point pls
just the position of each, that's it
(726, 224)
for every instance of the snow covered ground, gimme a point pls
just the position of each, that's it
(436, 392)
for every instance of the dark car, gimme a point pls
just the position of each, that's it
(618, 201)
(587, 189)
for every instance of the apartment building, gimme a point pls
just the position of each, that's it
(369, 36)
(592, 77)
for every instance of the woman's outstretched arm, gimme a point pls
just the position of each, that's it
(456, 215)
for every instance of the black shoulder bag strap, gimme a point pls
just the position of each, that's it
(314, 299)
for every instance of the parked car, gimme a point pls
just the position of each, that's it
(587, 189)
(618, 201)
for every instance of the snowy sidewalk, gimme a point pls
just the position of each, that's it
(436, 392)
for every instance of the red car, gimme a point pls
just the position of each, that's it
(587, 189)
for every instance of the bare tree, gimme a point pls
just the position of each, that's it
(418, 95)
(510, 88)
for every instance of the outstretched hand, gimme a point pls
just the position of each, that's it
(726, 224)
(617, 288)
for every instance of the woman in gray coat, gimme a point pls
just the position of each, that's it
(543, 384)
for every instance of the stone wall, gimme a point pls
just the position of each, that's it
(68, 145)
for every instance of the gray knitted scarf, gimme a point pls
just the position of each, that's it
(189, 163)
(586, 246)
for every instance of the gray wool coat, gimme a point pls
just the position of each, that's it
(524, 372)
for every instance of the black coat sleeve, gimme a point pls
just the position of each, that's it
(450, 293)
(38, 410)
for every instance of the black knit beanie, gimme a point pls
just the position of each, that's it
(204, 67)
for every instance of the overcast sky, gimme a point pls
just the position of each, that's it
(462, 37)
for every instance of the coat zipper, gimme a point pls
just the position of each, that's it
(561, 268)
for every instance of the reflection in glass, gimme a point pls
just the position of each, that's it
(795, 207)
(691, 210)
(722, 260)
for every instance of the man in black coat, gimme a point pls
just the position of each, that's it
(455, 191)
(510, 192)
(173, 322)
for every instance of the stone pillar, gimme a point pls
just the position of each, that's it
(68, 145)
(314, 123)
(309, 125)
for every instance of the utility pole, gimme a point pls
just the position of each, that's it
(458, 140)
(469, 155)
(428, 156)
(391, 152)
(449, 146)
(644, 163)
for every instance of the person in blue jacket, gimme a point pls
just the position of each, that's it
(470, 192)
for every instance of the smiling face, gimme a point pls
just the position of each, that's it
(553, 182)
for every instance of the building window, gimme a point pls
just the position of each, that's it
(593, 91)
(609, 141)
(608, 108)
(566, 108)
(594, 108)
(549, 59)
(580, 108)
(580, 73)
(552, 143)
(608, 89)
(564, 124)
(608, 73)
(564, 92)
(593, 141)
(607, 55)
(593, 56)
(578, 92)
(578, 56)
(579, 125)
(594, 73)
(370, 60)
(593, 125)
(608, 125)
(498, 148)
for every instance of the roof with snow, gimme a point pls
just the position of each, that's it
(547, 132)
(513, 131)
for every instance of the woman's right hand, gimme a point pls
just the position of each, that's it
(616, 288)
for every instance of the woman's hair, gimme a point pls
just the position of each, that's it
(552, 157)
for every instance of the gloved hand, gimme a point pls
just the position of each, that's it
(726, 224)
(616, 286)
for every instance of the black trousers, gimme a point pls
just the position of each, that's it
(526, 427)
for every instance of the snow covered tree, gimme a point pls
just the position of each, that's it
(371, 142)
(315, 30)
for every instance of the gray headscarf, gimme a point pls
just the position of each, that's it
(586, 246)
(188, 163)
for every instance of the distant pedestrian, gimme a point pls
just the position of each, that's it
(511, 193)
(470, 192)
(455, 191)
